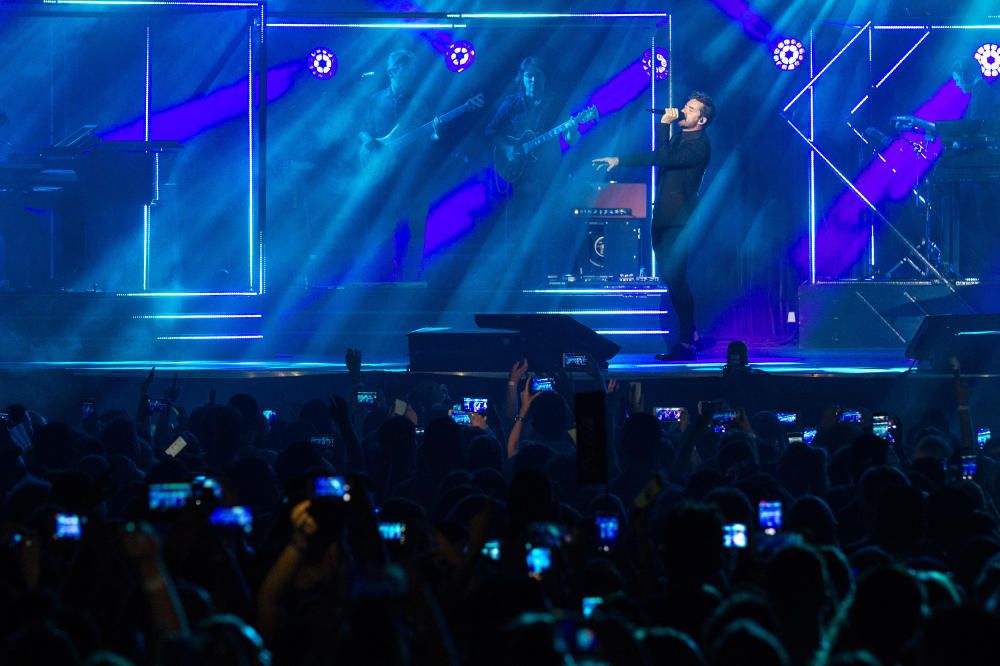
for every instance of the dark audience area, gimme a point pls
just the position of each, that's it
(560, 522)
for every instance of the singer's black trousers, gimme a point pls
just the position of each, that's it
(671, 245)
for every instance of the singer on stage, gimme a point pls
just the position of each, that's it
(681, 164)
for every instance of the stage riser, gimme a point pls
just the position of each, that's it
(313, 323)
(862, 315)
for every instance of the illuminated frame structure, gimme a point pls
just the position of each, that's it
(256, 13)
(460, 20)
(258, 24)
(808, 136)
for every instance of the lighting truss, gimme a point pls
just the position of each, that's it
(808, 137)
(255, 51)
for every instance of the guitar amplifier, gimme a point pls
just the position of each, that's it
(616, 216)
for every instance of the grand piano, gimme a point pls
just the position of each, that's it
(65, 209)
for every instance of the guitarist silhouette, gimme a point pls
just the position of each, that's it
(395, 161)
(528, 170)
(519, 117)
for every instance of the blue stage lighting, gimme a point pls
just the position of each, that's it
(322, 63)
(460, 56)
(988, 57)
(788, 54)
(661, 62)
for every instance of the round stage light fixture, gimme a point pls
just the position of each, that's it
(788, 54)
(988, 57)
(661, 62)
(322, 63)
(460, 56)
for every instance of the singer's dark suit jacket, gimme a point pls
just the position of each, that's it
(680, 164)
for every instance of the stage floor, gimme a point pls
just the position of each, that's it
(777, 360)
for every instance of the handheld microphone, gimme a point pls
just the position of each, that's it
(660, 112)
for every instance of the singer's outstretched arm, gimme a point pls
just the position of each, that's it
(683, 155)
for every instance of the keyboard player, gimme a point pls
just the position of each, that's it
(976, 192)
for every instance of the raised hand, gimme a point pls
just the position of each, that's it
(147, 382)
(636, 402)
(140, 541)
(352, 359)
(743, 421)
(339, 410)
(173, 392)
(518, 370)
(527, 397)
(962, 393)
(303, 524)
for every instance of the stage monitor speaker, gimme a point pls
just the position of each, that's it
(464, 350)
(867, 314)
(548, 336)
(974, 339)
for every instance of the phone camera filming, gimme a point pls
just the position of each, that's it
(668, 414)
(969, 466)
(335, 487)
(169, 496)
(542, 384)
(392, 532)
(491, 549)
(607, 532)
(575, 361)
(850, 416)
(590, 604)
(722, 421)
(787, 418)
(769, 516)
(539, 560)
(238, 517)
(68, 526)
(475, 405)
(735, 535)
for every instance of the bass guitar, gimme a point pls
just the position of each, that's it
(380, 154)
(512, 155)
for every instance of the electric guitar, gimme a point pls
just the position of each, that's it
(379, 154)
(512, 155)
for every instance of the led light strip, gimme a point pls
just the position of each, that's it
(827, 66)
(544, 15)
(146, 211)
(377, 26)
(181, 294)
(632, 332)
(812, 165)
(250, 137)
(638, 292)
(604, 312)
(903, 59)
(155, 3)
(199, 316)
(210, 337)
